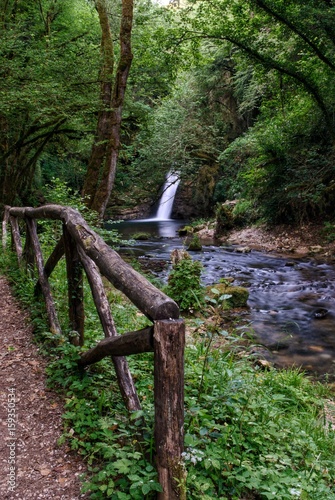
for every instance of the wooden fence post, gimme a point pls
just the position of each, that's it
(4, 227)
(122, 371)
(16, 238)
(29, 245)
(75, 286)
(169, 342)
(49, 302)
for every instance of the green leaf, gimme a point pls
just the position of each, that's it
(146, 488)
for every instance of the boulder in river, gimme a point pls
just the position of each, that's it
(237, 296)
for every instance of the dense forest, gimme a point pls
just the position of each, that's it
(99, 101)
(237, 96)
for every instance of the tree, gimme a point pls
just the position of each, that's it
(294, 39)
(46, 95)
(105, 151)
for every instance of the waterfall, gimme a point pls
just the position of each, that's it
(169, 192)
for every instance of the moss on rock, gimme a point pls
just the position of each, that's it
(238, 295)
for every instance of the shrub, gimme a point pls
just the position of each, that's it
(184, 284)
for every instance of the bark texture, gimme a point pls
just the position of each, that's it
(105, 152)
(169, 343)
(49, 302)
(121, 367)
(122, 345)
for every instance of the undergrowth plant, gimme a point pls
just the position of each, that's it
(184, 284)
(249, 433)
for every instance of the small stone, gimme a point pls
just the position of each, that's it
(315, 249)
(45, 472)
(243, 249)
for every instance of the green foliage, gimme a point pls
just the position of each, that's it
(329, 231)
(97, 425)
(253, 432)
(283, 166)
(238, 123)
(245, 212)
(194, 244)
(248, 433)
(224, 218)
(225, 295)
(45, 98)
(184, 284)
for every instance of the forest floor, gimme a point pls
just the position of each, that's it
(30, 417)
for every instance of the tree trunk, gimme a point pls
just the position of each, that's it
(102, 135)
(102, 165)
(4, 228)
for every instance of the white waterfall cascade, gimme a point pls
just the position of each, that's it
(167, 199)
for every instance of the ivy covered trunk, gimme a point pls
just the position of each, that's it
(105, 151)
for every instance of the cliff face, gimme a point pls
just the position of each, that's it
(186, 205)
(193, 200)
(118, 211)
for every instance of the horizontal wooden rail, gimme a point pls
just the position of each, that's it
(151, 301)
(85, 249)
(122, 345)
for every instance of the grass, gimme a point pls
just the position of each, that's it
(249, 433)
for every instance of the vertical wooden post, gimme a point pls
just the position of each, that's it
(54, 257)
(16, 237)
(29, 245)
(49, 303)
(4, 227)
(125, 380)
(75, 286)
(169, 342)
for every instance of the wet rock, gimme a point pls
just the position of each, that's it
(320, 313)
(278, 346)
(206, 235)
(177, 255)
(243, 249)
(301, 250)
(195, 244)
(225, 218)
(152, 265)
(141, 236)
(264, 364)
(185, 230)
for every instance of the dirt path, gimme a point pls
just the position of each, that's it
(32, 466)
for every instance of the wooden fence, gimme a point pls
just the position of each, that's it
(85, 249)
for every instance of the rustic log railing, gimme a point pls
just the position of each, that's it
(85, 249)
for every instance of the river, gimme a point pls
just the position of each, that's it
(286, 296)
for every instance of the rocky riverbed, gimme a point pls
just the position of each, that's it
(301, 241)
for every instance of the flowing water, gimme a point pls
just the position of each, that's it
(167, 199)
(286, 296)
